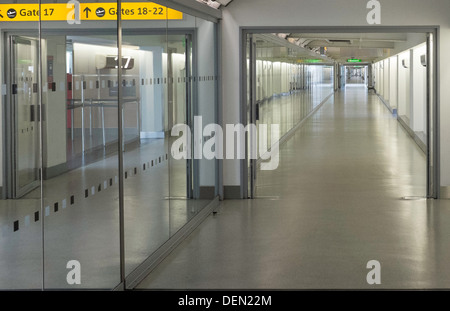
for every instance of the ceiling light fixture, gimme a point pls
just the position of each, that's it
(212, 3)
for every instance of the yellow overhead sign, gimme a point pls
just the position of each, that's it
(86, 12)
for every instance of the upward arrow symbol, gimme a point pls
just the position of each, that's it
(87, 10)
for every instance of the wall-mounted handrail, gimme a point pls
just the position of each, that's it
(102, 104)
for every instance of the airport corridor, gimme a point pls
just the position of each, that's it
(350, 188)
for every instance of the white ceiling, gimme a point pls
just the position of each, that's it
(366, 46)
(369, 47)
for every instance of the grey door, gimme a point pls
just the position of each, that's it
(23, 116)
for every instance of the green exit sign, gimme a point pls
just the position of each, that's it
(354, 61)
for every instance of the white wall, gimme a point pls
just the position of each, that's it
(393, 90)
(55, 103)
(407, 86)
(386, 79)
(152, 95)
(329, 13)
(147, 91)
(206, 91)
(404, 85)
(380, 84)
(179, 72)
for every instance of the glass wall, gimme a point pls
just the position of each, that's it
(284, 85)
(80, 134)
(95, 178)
(21, 241)
(288, 92)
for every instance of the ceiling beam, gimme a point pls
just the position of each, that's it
(301, 52)
(392, 37)
(354, 44)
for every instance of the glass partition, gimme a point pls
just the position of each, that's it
(181, 38)
(80, 149)
(162, 177)
(85, 95)
(192, 102)
(281, 90)
(146, 169)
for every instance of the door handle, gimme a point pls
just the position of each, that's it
(257, 112)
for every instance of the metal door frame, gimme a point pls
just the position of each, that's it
(433, 91)
(432, 108)
(252, 113)
(192, 179)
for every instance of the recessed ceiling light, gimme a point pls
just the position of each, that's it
(212, 3)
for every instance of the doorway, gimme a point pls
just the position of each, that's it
(23, 121)
(356, 75)
(322, 45)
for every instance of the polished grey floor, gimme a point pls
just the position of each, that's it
(334, 204)
(88, 229)
(290, 109)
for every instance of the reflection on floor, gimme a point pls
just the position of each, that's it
(331, 207)
(289, 110)
(81, 220)
(94, 147)
(356, 80)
